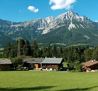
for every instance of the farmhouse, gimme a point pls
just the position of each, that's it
(5, 64)
(52, 63)
(33, 63)
(91, 65)
(43, 63)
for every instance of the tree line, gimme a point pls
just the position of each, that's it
(73, 55)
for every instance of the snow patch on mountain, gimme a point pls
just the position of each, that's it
(71, 26)
(45, 31)
(49, 19)
(82, 26)
(87, 37)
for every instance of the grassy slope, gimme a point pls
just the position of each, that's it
(48, 81)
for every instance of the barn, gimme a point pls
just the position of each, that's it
(52, 63)
(43, 63)
(33, 63)
(90, 66)
(5, 64)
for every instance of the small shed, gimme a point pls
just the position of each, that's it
(5, 64)
(33, 63)
(91, 65)
(52, 63)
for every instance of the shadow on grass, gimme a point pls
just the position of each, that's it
(79, 89)
(38, 88)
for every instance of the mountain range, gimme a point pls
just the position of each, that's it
(66, 29)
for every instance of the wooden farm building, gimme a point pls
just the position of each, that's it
(5, 64)
(43, 63)
(52, 63)
(33, 63)
(90, 66)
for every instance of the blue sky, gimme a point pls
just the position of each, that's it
(23, 10)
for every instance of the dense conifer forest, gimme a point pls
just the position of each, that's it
(72, 55)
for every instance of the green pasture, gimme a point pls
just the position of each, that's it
(47, 81)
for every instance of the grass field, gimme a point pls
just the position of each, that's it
(48, 81)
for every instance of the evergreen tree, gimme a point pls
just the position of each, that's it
(20, 46)
(88, 53)
(61, 52)
(10, 50)
(27, 48)
(35, 49)
(95, 54)
(55, 51)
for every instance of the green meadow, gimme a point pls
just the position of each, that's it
(47, 81)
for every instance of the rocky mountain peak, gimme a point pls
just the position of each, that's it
(57, 27)
(71, 15)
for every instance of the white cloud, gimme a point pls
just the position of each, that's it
(96, 20)
(61, 4)
(33, 9)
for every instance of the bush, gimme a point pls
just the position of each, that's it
(78, 66)
(17, 62)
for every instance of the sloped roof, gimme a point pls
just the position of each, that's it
(5, 61)
(33, 60)
(90, 63)
(52, 61)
